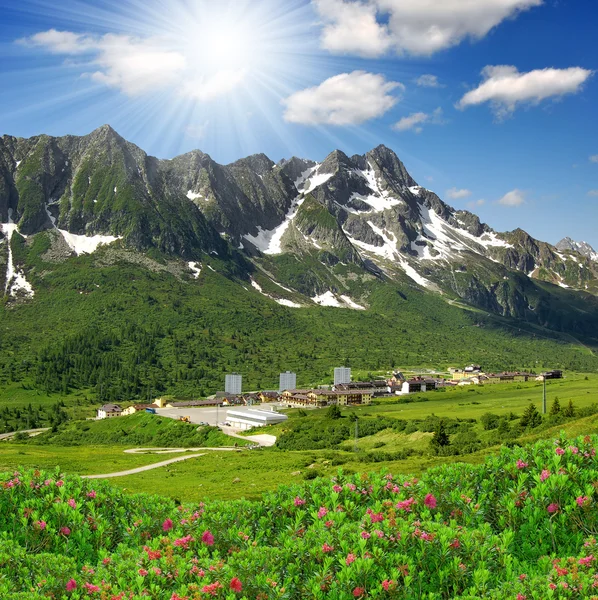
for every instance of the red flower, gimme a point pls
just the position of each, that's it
(430, 501)
(65, 531)
(207, 538)
(71, 585)
(358, 592)
(142, 572)
(236, 585)
(167, 525)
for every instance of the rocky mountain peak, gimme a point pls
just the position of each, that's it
(582, 247)
(258, 163)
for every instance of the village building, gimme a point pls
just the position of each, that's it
(131, 410)
(109, 411)
(246, 418)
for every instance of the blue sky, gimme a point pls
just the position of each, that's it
(503, 124)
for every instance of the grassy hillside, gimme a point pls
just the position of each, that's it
(121, 326)
(140, 429)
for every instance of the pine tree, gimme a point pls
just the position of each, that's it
(440, 438)
(569, 410)
(531, 417)
(555, 409)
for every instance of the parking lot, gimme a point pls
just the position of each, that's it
(210, 415)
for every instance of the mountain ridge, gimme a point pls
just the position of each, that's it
(344, 219)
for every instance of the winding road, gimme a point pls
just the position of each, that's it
(164, 463)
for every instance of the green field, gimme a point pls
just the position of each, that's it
(250, 473)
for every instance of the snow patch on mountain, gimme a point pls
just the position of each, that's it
(351, 303)
(194, 195)
(270, 241)
(15, 278)
(281, 301)
(287, 303)
(195, 268)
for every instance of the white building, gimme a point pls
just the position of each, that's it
(342, 375)
(108, 411)
(288, 381)
(246, 418)
(233, 384)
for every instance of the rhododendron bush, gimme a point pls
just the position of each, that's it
(523, 526)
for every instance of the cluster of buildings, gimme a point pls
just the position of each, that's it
(475, 375)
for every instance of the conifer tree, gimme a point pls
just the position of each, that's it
(555, 409)
(440, 438)
(531, 417)
(569, 410)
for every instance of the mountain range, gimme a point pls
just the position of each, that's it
(297, 232)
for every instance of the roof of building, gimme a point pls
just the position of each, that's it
(249, 414)
(111, 408)
(213, 402)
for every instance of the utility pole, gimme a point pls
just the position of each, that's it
(544, 396)
(356, 434)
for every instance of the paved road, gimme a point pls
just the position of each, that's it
(164, 463)
(31, 432)
(157, 465)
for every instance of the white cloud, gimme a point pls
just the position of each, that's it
(415, 121)
(346, 99)
(221, 83)
(476, 204)
(513, 198)
(456, 194)
(430, 81)
(352, 27)
(137, 66)
(593, 193)
(371, 28)
(505, 87)
(61, 42)
(594, 158)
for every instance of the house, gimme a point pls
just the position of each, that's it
(131, 410)
(555, 374)
(269, 396)
(109, 411)
(412, 386)
(341, 398)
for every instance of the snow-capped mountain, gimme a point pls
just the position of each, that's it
(343, 220)
(582, 248)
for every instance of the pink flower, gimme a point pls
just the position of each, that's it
(207, 538)
(522, 577)
(387, 584)
(586, 561)
(560, 451)
(65, 531)
(91, 494)
(521, 464)
(376, 517)
(358, 592)
(59, 483)
(329, 524)
(350, 559)
(299, 501)
(430, 501)
(337, 488)
(142, 572)
(327, 548)
(71, 585)
(71, 502)
(91, 588)
(552, 586)
(581, 500)
(552, 508)
(406, 504)
(521, 597)
(167, 525)
(544, 475)
(236, 585)
(574, 449)
(41, 525)
(322, 512)
(183, 542)
(379, 533)
(365, 535)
